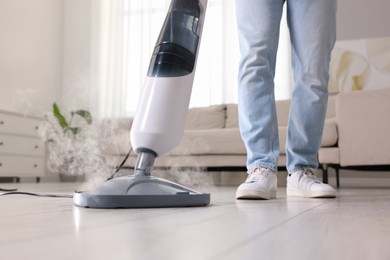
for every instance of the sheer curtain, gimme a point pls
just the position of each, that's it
(108, 62)
(125, 34)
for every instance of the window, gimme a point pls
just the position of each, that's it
(215, 82)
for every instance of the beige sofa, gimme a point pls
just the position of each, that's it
(356, 133)
(363, 125)
(212, 139)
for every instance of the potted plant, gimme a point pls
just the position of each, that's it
(68, 141)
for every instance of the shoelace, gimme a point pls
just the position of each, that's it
(258, 174)
(311, 174)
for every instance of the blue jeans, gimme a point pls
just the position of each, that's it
(312, 25)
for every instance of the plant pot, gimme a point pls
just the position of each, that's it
(68, 178)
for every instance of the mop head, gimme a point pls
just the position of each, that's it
(140, 191)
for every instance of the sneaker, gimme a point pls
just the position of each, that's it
(304, 183)
(260, 184)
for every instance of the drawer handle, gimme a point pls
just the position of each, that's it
(36, 147)
(1, 122)
(35, 165)
(1, 164)
(1, 143)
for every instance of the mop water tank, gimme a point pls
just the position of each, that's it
(162, 109)
(175, 52)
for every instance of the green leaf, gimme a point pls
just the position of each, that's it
(74, 130)
(84, 114)
(60, 118)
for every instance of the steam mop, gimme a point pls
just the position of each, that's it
(160, 118)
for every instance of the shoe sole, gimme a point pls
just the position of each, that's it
(311, 194)
(255, 195)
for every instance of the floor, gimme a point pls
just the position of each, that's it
(355, 225)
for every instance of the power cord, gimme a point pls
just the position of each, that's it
(36, 194)
(120, 165)
(15, 192)
(8, 190)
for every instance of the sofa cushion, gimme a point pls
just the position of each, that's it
(206, 117)
(211, 141)
(363, 123)
(231, 116)
(282, 111)
(329, 155)
(116, 144)
(331, 108)
(330, 135)
(282, 132)
(115, 135)
(114, 124)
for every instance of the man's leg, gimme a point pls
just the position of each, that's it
(312, 25)
(258, 26)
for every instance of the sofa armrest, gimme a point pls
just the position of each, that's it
(363, 121)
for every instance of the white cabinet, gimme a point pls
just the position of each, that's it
(22, 152)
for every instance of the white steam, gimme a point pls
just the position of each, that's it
(76, 155)
(84, 154)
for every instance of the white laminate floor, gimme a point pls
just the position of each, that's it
(355, 225)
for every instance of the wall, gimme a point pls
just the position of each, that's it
(30, 54)
(76, 68)
(44, 55)
(358, 19)
(361, 58)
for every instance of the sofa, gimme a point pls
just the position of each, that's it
(363, 128)
(356, 133)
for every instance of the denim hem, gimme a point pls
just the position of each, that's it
(300, 168)
(263, 165)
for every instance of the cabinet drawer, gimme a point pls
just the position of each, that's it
(14, 124)
(21, 166)
(18, 145)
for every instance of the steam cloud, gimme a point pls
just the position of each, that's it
(83, 154)
(75, 155)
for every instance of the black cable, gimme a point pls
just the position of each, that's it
(8, 190)
(15, 192)
(36, 194)
(121, 165)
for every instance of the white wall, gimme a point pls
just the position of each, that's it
(77, 41)
(357, 19)
(44, 54)
(30, 54)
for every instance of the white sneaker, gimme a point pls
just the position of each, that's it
(260, 184)
(304, 183)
